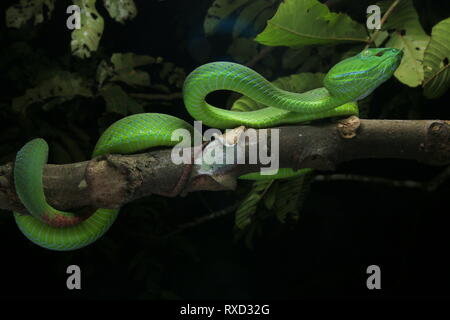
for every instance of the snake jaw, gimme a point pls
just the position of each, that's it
(61, 221)
(358, 76)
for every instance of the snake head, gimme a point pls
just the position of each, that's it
(356, 77)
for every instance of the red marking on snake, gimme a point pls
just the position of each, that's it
(61, 221)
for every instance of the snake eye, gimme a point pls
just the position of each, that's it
(379, 54)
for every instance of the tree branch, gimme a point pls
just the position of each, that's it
(429, 185)
(202, 220)
(111, 181)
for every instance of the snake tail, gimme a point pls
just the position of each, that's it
(62, 231)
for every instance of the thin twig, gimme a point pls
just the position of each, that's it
(264, 52)
(369, 179)
(202, 220)
(437, 181)
(383, 20)
(429, 186)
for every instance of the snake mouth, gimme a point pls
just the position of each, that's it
(392, 61)
(399, 56)
(387, 61)
(390, 53)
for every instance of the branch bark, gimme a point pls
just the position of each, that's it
(110, 181)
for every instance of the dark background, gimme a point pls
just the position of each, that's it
(344, 226)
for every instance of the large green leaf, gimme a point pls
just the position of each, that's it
(121, 10)
(291, 195)
(261, 20)
(122, 69)
(298, 23)
(283, 197)
(436, 61)
(406, 33)
(86, 39)
(63, 86)
(19, 14)
(248, 206)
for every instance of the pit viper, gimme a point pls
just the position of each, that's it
(347, 82)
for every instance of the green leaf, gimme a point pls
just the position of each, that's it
(301, 82)
(240, 17)
(121, 10)
(406, 33)
(86, 39)
(243, 49)
(104, 72)
(172, 74)
(248, 15)
(219, 11)
(291, 195)
(167, 67)
(64, 85)
(133, 78)
(298, 23)
(118, 101)
(19, 14)
(262, 18)
(436, 61)
(271, 196)
(245, 104)
(248, 206)
(124, 68)
(381, 38)
(127, 61)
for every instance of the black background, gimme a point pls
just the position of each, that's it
(344, 226)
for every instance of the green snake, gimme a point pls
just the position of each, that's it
(347, 82)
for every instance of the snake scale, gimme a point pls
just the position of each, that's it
(347, 82)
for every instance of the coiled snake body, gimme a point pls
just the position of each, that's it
(348, 81)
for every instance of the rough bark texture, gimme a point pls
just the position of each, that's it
(113, 180)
